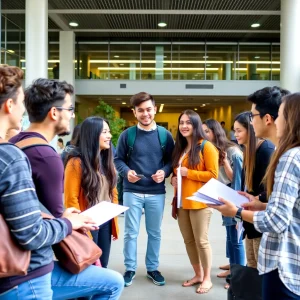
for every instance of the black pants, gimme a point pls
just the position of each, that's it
(274, 289)
(102, 238)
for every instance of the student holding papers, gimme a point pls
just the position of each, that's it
(278, 220)
(195, 160)
(230, 172)
(90, 178)
(257, 154)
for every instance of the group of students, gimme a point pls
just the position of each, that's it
(145, 156)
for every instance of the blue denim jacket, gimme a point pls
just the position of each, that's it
(236, 162)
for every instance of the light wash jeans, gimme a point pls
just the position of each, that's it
(100, 283)
(154, 208)
(235, 248)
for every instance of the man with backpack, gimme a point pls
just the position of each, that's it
(144, 160)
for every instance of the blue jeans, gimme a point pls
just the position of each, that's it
(234, 248)
(97, 282)
(274, 289)
(154, 208)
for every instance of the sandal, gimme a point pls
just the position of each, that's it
(190, 282)
(204, 290)
(225, 267)
(223, 274)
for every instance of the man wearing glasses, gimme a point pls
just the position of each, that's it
(264, 111)
(50, 110)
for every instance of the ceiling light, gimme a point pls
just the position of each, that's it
(165, 56)
(255, 25)
(208, 65)
(121, 64)
(124, 103)
(73, 24)
(203, 105)
(161, 108)
(10, 51)
(205, 56)
(257, 57)
(116, 56)
(195, 108)
(162, 24)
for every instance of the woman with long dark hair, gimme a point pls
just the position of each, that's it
(90, 178)
(279, 219)
(198, 162)
(257, 155)
(230, 173)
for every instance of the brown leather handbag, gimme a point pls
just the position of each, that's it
(14, 260)
(75, 252)
(174, 207)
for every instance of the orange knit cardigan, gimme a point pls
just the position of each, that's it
(74, 196)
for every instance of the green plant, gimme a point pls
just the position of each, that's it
(116, 124)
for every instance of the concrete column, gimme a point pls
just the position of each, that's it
(67, 64)
(36, 31)
(290, 45)
(159, 62)
(132, 71)
(228, 67)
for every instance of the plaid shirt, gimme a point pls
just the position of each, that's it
(280, 223)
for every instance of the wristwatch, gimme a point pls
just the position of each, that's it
(238, 216)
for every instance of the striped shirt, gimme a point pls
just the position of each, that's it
(280, 223)
(20, 208)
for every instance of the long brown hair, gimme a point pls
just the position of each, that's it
(181, 142)
(290, 136)
(220, 139)
(93, 161)
(250, 149)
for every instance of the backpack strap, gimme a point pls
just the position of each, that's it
(32, 142)
(162, 135)
(131, 135)
(202, 146)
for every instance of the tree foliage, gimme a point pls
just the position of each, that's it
(116, 124)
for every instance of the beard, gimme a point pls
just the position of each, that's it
(64, 133)
(61, 130)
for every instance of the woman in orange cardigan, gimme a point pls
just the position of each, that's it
(196, 168)
(90, 177)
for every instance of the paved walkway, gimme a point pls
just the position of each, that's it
(174, 262)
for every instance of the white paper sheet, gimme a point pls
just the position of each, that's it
(179, 187)
(104, 211)
(214, 189)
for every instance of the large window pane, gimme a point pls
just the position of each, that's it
(156, 62)
(275, 62)
(188, 62)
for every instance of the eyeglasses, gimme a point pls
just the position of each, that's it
(251, 116)
(70, 109)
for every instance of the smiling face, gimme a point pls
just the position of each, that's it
(105, 137)
(145, 113)
(185, 126)
(209, 133)
(241, 133)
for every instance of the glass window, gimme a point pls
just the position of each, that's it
(156, 62)
(254, 62)
(220, 61)
(124, 61)
(275, 72)
(188, 62)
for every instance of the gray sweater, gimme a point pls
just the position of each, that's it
(146, 158)
(20, 208)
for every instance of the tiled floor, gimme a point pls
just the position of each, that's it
(174, 263)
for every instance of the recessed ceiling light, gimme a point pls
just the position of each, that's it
(116, 56)
(203, 105)
(208, 65)
(121, 64)
(255, 25)
(73, 24)
(165, 56)
(195, 108)
(205, 56)
(10, 51)
(257, 57)
(124, 103)
(162, 24)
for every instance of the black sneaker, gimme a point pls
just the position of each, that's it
(128, 277)
(156, 277)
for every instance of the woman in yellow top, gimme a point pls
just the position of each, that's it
(197, 168)
(90, 178)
